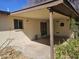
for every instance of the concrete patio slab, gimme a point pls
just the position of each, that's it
(30, 49)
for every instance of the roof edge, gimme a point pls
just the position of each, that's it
(4, 12)
(32, 6)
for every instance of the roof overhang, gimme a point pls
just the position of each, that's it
(4, 12)
(41, 6)
(59, 6)
(42, 14)
(71, 5)
(65, 10)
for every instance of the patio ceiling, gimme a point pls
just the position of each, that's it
(39, 14)
(65, 10)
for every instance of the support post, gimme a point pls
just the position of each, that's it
(51, 34)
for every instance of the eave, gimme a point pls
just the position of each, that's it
(4, 12)
(60, 6)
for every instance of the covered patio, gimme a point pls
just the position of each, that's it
(50, 12)
(60, 33)
(61, 23)
(57, 40)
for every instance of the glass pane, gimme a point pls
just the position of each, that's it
(20, 24)
(16, 24)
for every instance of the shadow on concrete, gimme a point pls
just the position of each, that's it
(57, 40)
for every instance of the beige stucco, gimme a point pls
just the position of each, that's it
(31, 27)
(31, 23)
(44, 14)
(62, 31)
(5, 23)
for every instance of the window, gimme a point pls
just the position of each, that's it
(18, 24)
(61, 24)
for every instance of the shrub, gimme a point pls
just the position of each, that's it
(69, 49)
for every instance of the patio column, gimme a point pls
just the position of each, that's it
(51, 33)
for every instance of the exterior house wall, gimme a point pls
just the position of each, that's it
(31, 27)
(5, 23)
(62, 30)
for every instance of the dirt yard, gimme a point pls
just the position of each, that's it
(11, 53)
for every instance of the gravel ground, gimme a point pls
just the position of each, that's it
(11, 53)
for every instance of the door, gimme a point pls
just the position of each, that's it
(43, 28)
(60, 28)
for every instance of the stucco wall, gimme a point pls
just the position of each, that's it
(31, 27)
(5, 22)
(62, 30)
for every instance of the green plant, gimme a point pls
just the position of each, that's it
(74, 26)
(69, 49)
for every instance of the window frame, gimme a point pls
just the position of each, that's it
(62, 24)
(18, 24)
